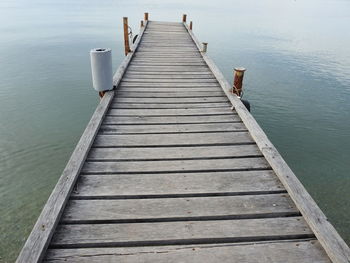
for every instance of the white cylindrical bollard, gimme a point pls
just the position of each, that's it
(101, 68)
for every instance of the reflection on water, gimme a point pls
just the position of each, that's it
(298, 81)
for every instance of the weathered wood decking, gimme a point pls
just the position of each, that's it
(168, 171)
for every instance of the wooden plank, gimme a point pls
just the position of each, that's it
(166, 64)
(334, 245)
(124, 92)
(174, 112)
(135, 75)
(176, 233)
(167, 60)
(169, 81)
(170, 68)
(177, 184)
(170, 120)
(178, 209)
(173, 77)
(171, 100)
(169, 94)
(199, 73)
(175, 166)
(171, 153)
(173, 139)
(175, 128)
(170, 85)
(169, 106)
(300, 251)
(178, 90)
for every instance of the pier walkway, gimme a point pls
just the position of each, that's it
(173, 168)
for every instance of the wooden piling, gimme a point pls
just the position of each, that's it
(204, 47)
(184, 16)
(146, 16)
(238, 81)
(126, 36)
(141, 23)
(191, 24)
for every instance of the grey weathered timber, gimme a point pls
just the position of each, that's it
(167, 112)
(178, 209)
(170, 119)
(173, 168)
(169, 153)
(263, 252)
(192, 139)
(169, 93)
(169, 106)
(178, 233)
(177, 184)
(173, 128)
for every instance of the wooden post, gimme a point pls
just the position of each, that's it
(205, 47)
(238, 81)
(184, 18)
(191, 25)
(146, 16)
(126, 36)
(141, 23)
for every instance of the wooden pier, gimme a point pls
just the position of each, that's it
(173, 168)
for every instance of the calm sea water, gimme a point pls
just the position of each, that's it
(298, 58)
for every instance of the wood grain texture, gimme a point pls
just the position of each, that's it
(178, 233)
(177, 184)
(169, 106)
(303, 251)
(170, 119)
(169, 112)
(169, 94)
(172, 128)
(192, 139)
(175, 166)
(169, 153)
(178, 209)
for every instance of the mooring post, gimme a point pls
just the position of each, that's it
(191, 25)
(146, 16)
(205, 47)
(238, 81)
(141, 23)
(126, 36)
(184, 16)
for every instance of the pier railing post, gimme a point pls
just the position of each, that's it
(126, 36)
(238, 81)
(146, 16)
(184, 16)
(191, 24)
(204, 47)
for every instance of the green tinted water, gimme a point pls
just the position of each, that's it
(298, 81)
